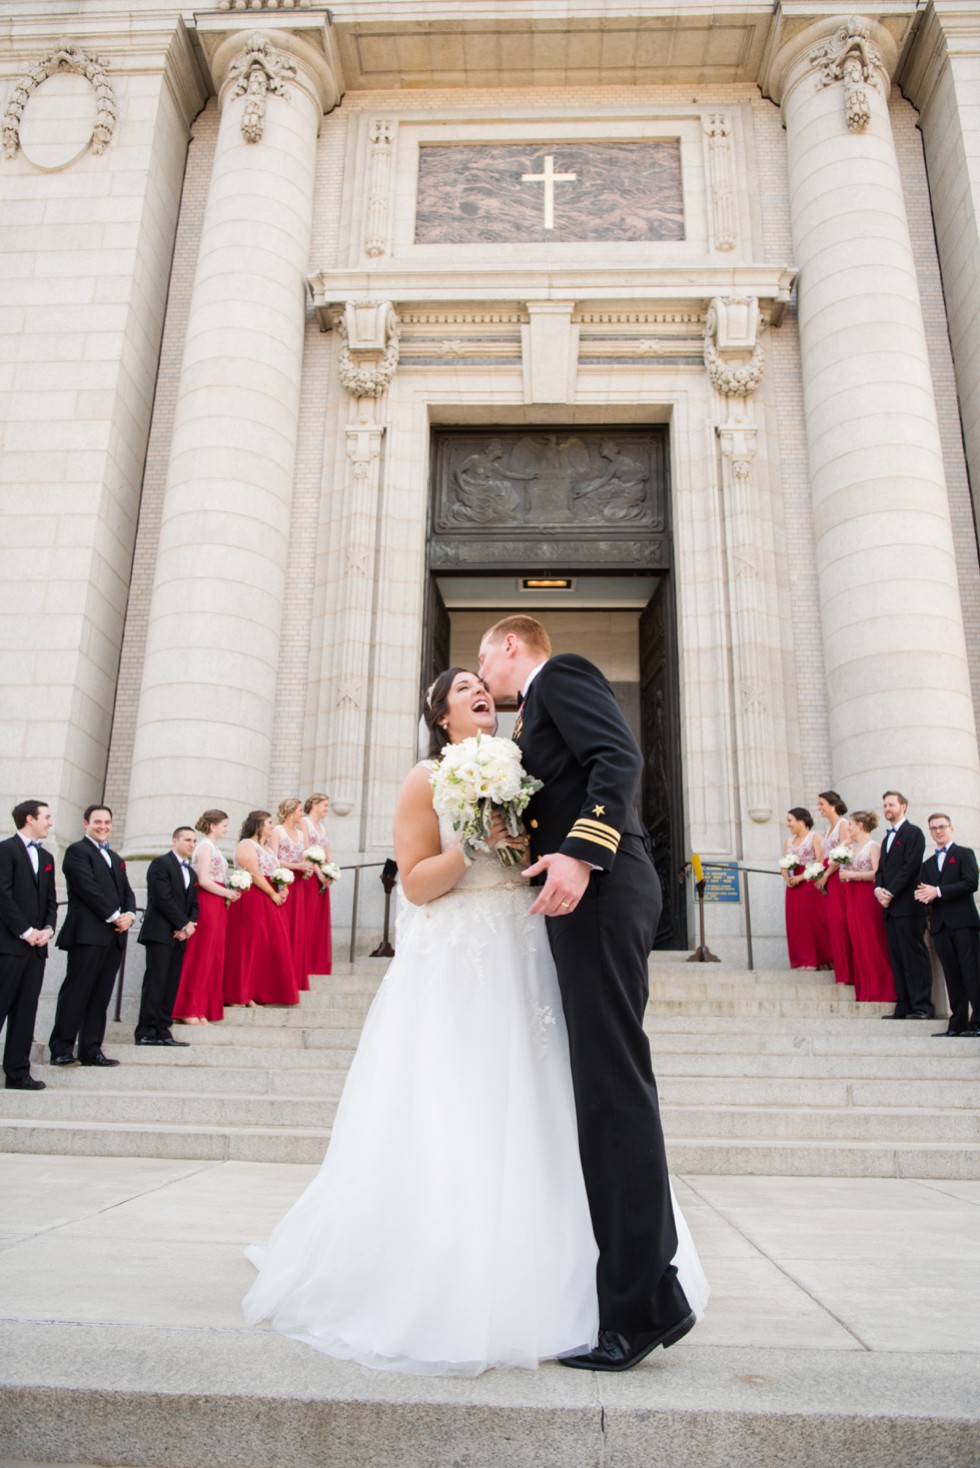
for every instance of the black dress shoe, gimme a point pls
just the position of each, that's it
(149, 1040)
(97, 1059)
(169, 1040)
(919, 1014)
(894, 1016)
(64, 1060)
(616, 1352)
(27, 1084)
(948, 1034)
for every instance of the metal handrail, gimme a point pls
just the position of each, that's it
(742, 867)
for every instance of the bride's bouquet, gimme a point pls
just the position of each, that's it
(237, 879)
(476, 779)
(282, 877)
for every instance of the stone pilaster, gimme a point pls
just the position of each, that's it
(207, 704)
(889, 599)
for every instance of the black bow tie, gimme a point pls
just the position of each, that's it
(941, 850)
(35, 844)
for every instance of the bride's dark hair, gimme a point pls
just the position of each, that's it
(434, 708)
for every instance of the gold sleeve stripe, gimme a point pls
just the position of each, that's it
(596, 828)
(593, 839)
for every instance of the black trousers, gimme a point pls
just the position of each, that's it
(84, 999)
(911, 968)
(601, 951)
(20, 989)
(959, 954)
(161, 981)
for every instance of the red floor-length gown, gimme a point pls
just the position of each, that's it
(319, 952)
(202, 974)
(259, 963)
(807, 936)
(873, 981)
(297, 909)
(837, 927)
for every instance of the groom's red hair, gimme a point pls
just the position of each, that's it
(528, 629)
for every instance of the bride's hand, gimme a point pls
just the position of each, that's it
(499, 835)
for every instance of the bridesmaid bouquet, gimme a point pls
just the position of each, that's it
(813, 870)
(331, 871)
(476, 779)
(317, 857)
(790, 864)
(842, 855)
(282, 877)
(237, 879)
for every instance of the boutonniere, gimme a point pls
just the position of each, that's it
(952, 861)
(122, 866)
(49, 868)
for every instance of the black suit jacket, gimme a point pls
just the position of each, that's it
(25, 903)
(169, 904)
(957, 881)
(899, 870)
(95, 892)
(573, 736)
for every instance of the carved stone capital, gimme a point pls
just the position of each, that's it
(858, 52)
(737, 441)
(295, 47)
(66, 57)
(370, 331)
(733, 353)
(258, 69)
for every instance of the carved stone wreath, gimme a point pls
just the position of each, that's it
(369, 380)
(65, 57)
(258, 70)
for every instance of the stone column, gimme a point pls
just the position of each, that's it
(900, 705)
(207, 706)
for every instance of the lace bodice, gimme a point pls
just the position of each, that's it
(486, 871)
(805, 852)
(290, 850)
(267, 859)
(861, 861)
(217, 868)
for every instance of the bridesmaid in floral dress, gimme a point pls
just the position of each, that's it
(320, 955)
(834, 812)
(259, 967)
(873, 981)
(199, 998)
(289, 841)
(806, 919)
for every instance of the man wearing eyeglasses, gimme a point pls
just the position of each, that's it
(947, 883)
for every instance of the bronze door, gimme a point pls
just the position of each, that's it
(662, 789)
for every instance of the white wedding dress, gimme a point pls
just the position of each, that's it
(448, 1229)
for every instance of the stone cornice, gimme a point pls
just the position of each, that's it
(478, 286)
(304, 36)
(946, 32)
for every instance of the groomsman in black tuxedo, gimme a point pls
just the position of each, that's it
(601, 897)
(28, 913)
(101, 911)
(902, 853)
(948, 881)
(169, 921)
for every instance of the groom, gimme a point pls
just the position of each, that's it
(601, 897)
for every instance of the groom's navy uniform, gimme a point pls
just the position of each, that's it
(573, 736)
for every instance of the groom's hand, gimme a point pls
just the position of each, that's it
(566, 881)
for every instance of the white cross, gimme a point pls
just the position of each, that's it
(549, 178)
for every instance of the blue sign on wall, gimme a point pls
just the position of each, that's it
(722, 882)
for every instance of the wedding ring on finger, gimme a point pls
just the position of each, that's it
(565, 904)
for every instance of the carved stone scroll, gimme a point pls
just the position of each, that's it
(66, 57)
(352, 676)
(381, 137)
(721, 178)
(733, 354)
(851, 57)
(756, 740)
(260, 69)
(369, 330)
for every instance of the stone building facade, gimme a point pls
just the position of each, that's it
(325, 335)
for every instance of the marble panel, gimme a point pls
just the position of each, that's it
(512, 193)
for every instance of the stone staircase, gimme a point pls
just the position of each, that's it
(761, 1072)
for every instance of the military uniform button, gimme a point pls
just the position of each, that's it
(534, 825)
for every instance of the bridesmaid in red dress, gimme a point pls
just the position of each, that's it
(320, 954)
(259, 967)
(834, 811)
(289, 841)
(199, 998)
(873, 979)
(806, 918)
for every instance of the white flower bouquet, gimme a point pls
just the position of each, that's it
(331, 871)
(317, 857)
(237, 879)
(842, 855)
(282, 877)
(813, 870)
(789, 862)
(476, 779)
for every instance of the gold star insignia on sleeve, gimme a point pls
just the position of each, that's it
(598, 810)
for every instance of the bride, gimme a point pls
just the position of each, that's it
(448, 1229)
